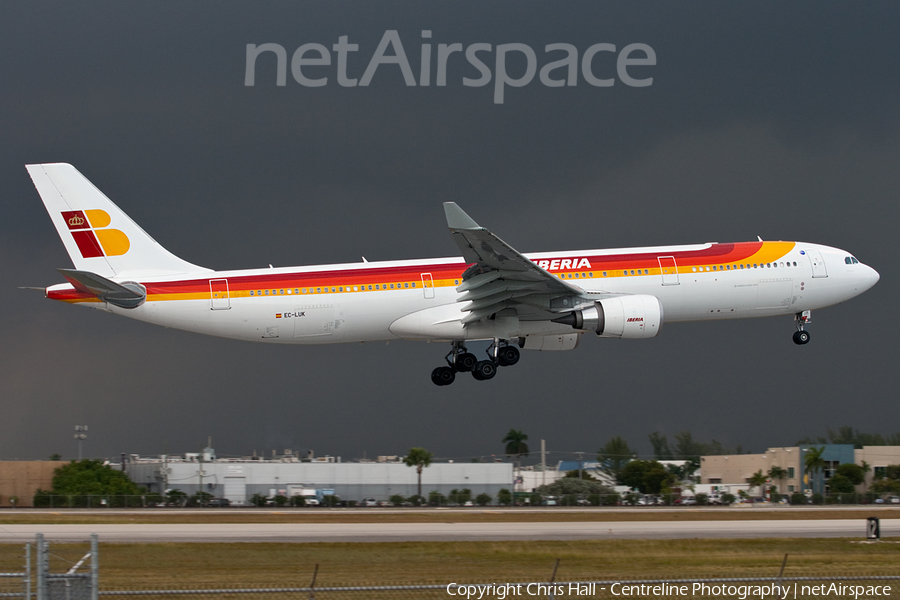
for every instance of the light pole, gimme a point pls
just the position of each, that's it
(80, 435)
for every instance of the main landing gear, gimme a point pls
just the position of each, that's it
(500, 353)
(801, 336)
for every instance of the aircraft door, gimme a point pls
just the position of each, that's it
(218, 294)
(312, 321)
(818, 265)
(428, 285)
(668, 269)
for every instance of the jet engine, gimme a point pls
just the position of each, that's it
(628, 317)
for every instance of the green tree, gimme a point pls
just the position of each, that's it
(814, 463)
(176, 497)
(648, 476)
(515, 444)
(55, 456)
(483, 499)
(418, 458)
(569, 485)
(778, 474)
(853, 472)
(660, 444)
(504, 497)
(840, 484)
(92, 478)
(613, 457)
(758, 480)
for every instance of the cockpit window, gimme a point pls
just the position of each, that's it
(850, 260)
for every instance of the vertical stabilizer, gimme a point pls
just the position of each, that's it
(98, 236)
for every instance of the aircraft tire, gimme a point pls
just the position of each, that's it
(801, 337)
(443, 376)
(466, 362)
(508, 356)
(484, 370)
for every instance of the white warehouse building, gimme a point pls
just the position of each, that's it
(239, 480)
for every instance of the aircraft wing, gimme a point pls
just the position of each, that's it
(499, 277)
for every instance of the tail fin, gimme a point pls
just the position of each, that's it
(98, 236)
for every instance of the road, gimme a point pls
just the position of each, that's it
(446, 531)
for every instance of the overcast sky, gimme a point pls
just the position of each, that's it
(762, 119)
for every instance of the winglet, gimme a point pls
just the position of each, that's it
(457, 217)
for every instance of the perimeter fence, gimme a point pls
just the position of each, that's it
(745, 588)
(435, 499)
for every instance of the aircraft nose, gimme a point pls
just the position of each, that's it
(871, 277)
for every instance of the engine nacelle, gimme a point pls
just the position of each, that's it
(628, 317)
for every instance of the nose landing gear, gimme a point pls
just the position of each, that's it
(500, 353)
(801, 336)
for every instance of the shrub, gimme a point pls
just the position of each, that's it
(396, 500)
(702, 499)
(483, 499)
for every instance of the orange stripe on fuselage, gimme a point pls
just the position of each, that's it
(450, 275)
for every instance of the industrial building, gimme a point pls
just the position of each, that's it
(239, 479)
(738, 468)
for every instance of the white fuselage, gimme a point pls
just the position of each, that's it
(417, 299)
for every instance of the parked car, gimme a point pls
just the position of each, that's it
(368, 502)
(310, 502)
(218, 502)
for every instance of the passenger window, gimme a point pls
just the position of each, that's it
(414, 284)
(632, 271)
(376, 287)
(251, 292)
(591, 274)
(404, 285)
(604, 273)
(714, 267)
(267, 292)
(296, 291)
(392, 286)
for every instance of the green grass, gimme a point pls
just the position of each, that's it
(143, 566)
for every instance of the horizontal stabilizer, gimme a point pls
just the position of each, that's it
(124, 295)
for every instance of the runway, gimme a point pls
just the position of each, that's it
(406, 532)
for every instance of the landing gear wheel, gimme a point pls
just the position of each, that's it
(801, 337)
(485, 369)
(466, 362)
(443, 376)
(508, 356)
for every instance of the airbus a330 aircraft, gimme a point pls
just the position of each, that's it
(540, 301)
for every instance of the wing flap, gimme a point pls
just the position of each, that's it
(499, 276)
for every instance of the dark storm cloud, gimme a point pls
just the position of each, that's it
(763, 119)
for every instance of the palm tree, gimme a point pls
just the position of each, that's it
(778, 474)
(515, 444)
(813, 461)
(418, 458)
(866, 467)
(758, 480)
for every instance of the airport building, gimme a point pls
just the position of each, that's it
(736, 469)
(239, 479)
(20, 479)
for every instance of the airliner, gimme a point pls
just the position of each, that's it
(541, 301)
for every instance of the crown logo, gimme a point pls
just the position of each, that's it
(76, 221)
